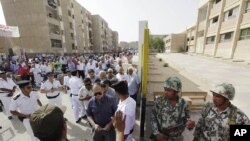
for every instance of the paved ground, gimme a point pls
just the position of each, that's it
(211, 71)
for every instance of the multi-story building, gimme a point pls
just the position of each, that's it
(54, 26)
(190, 35)
(175, 42)
(223, 29)
(115, 41)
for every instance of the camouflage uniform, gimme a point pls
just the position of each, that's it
(164, 116)
(214, 125)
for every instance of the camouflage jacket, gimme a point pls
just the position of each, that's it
(164, 116)
(214, 125)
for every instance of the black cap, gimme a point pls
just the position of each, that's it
(23, 83)
(121, 87)
(50, 74)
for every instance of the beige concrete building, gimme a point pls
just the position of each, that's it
(54, 26)
(190, 35)
(223, 29)
(115, 41)
(104, 40)
(175, 42)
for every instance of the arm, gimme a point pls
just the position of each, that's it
(93, 124)
(16, 113)
(39, 102)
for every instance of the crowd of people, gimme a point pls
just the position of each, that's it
(97, 86)
(103, 91)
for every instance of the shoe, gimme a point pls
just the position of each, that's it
(10, 117)
(79, 120)
(84, 117)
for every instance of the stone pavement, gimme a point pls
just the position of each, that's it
(211, 71)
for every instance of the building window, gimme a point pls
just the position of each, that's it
(73, 16)
(248, 7)
(226, 37)
(56, 43)
(210, 40)
(245, 34)
(55, 29)
(72, 35)
(73, 46)
(52, 3)
(214, 21)
(69, 12)
(192, 38)
(187, 39)
(216, 1)
(70, 25)
(232, 13)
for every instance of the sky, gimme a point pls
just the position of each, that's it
(163, 16)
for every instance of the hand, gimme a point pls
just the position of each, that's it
(160, 137)
(107, 128)
(97, 127)
(119, 121)
(190, 124)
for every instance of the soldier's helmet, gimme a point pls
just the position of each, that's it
(174, 83)
(224, 89)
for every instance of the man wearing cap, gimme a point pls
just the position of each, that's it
(75, 83)
(85, 94)
(100, 110)
(170, 114)
(7, 89)
(25, 103)
(217, 116)
(127, 105)
(52, 88)
(48, 123)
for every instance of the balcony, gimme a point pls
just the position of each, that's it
(246, 18)
(229, 24)
(202, 25)
(216, 9)
(212, 29)
(230, 2)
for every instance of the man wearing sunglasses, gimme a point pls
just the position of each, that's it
(100, 110)
(25, 104)
(84, 95)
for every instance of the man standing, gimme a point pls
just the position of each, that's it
(127, 105)
(100, 110)
(85, 94)
(170, 114)
(217, 116)
(52, 88)
(75, 84)
(24, 104)
(133, 83)
(66, 85)
(7, 89)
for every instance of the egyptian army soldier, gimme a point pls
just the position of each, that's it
(170, 114)
(216, 116)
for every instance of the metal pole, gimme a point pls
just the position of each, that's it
(144, 81)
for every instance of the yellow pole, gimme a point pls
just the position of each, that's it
(144, 80)
(145, 62)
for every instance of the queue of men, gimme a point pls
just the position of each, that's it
(102, 89)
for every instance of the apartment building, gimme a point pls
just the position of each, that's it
(175, 42)
(115, 41)
(53, 26)
(104, 40)
(223, 29)
(190, 35)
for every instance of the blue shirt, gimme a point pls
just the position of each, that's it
(101, 111)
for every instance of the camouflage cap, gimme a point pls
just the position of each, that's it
(224, 89)
(174, 83)
(46, 120)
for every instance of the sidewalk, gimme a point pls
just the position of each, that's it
(211, 72)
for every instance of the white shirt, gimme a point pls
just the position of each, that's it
(48, 69)
(80, 66)
(121, 77)
(47, 85)
(90, 66)
(66, 80)
(133, 82)
(128, 107)
(9, 84)
(24, 104)
(83, 92)
(75, 84)
(35, 70)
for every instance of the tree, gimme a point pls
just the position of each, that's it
(157, 43)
